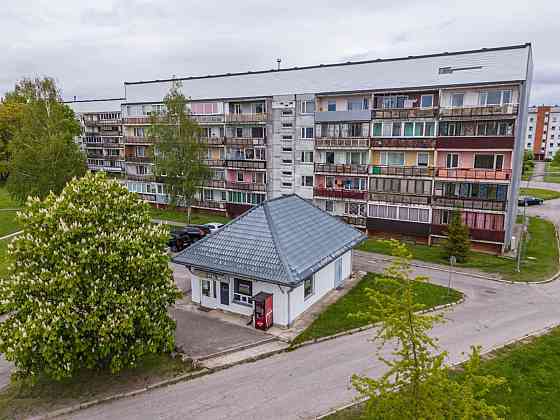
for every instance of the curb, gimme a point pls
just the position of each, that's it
(492, 349)
(234, 349)
(370, 326)
(248, 360)
(121, 395)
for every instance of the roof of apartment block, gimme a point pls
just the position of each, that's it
(487, 65)
(282, 241)
(84, 106)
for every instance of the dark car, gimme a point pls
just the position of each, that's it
(529, 201)
(183, 237)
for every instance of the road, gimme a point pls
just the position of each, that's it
(314, 379)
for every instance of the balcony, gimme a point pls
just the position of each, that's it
(245, 164)
(407, 171)
(93, 155)
(399, 198)
(91, 123)
(146, 120)
(246, 186)
(404, 113)
(207, 119)
(491, 143)
(113, 157)
(470, 173)
(410, 143)
(213, 141)
(475, 234)
(247, 118)
(141, 177)
(333, 168)
(215, 162)
(340, 194)
(336, 116)
(480, 111)
(109, 144)
(354, 220)
(245, 141)
(469, 203)
(139, 159)
(105, 168)
(137, 140)
(212, 205)
(342, 143)
(214, 183)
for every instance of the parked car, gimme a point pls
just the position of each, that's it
(203, 229)
(213, 226)
(529, 201)
(183, 237)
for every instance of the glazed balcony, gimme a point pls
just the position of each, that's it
(137, 140)
(245, 141)
(213, 205)
(245, 164)
(246, 186)
(342, 143)
(214, 183)
(208, 119)
(332, 168)
(342, 116)
(474, 142)
(475, 234)
(213, 141)
(247, 118)
(410, 143)
(358, 221)
(469, 203)
(470, 173)
(404, 113)
(138, 159)
(340, 194)
(141, 177)
(480, 111)
(406, 171)
(94, 123)
(399, 198)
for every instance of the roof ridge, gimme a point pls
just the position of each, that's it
(275, 240)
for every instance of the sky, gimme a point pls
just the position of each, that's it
(92, 47)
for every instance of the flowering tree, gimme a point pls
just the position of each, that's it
(90, 284)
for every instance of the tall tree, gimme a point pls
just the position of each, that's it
(457, 243)
(90, 284)
(417, 384)
(43, 153)
(179, 153)
(11, 115)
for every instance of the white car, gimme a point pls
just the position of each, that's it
(213, 226)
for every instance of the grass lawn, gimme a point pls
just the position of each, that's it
(6, 202)
(554, 176)
(20, 399)
(180, 216)
(540, 256)
(335, 318)
(539, 193)
(531, 369)
(7, 222)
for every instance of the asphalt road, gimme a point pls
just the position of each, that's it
(314, 379)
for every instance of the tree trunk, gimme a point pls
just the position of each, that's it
(189, 209)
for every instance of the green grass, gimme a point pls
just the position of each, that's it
(7, 222)
(540, 193)
(6, 202)
(22, 399)
(179, 216)
(540, 255)
(532, 371)
(335, 318)
(552, 172)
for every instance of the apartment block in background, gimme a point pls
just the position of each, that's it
(543, 131)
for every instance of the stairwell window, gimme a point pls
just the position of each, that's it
(307, 107)
(308, 287)
(306, 181)
(307, 132)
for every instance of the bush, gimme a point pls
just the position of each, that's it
(90, 284)
(457, 243)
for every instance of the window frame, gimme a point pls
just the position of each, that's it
(304, 108)
(430, 95)
(238, 296)
(308, 287)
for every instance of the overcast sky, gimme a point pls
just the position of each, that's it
(91, 47)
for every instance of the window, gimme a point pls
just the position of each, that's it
(423, 159)
(306, 132)
(306, 181)
(329, 181)
(243, 291)
(307, 107)
(331, 106)
(329, 206)
(329, 157)
(452, 160)
(286, 149)
(257, 132)
(240, 176)
(357, 104)
(394, 101)
(396, 132)
(392, 158)
(377, 127)
(457, 100)
(495, 97)
(206, 287)
(355, 209)
(141, 151)
(287, 125)
(412, 214)
(408, 129)
(306, 157)
(308, 287)
(286, 184)
(139, 132)
(426, 101)
(204, 108)
(429, 129)
(488, 161)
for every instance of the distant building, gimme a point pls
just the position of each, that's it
(543, 131)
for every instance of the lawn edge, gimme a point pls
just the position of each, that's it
(486, 353)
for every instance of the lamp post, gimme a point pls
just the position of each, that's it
(452, 262)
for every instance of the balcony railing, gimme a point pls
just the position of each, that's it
(341, 168)
(354, 220)
(245, 141)
(504, 142)
(215, 162)
(247, 118)
(246, 186)
(141, 177)
(470, 173)
(477, 111)
(347, 143)
(102, 122)
(137, 140)
(405, 113)
(408, 171)
(213, 141)
(335, 116)
(208, 118)
(476, 234)
(109, 144)
(205, 204)
(138, 158)
(214, 183)
(469, 203)
(412, 143)
(339, 193)
(113, 157)
(105, 168)
(245, 164)
(137, 120)
(399, 198)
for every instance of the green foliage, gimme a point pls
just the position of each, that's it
(556, 159)
(179, 160)
(457, 243)
(528, 163)
(11, 116)
(43, 153)
(89, 285)
(417, 384)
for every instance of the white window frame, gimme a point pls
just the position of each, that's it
(304, 133)
(418, 159)
(426, 96)
(385, 158)
(462, 95)
(304, 107)
(304, 179)
(311, 280)
(494, 162)
(447, 160)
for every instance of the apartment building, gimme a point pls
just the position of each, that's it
(543, 131)
(391, 146)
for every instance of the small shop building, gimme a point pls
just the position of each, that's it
(273, 262)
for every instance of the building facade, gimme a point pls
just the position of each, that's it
(391, 146)
(543, 131)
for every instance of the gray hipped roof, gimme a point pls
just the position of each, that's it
(283, 241)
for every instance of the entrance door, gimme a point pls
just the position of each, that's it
(224, 293)
(338, 272)
(208, 293)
